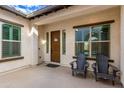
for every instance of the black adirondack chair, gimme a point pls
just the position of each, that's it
(81, 65)
(101, 69)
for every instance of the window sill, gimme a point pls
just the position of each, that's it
(11, 59)
(93, 59)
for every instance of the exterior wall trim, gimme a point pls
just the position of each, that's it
(97, 23)
(7, 21)
(11, 59)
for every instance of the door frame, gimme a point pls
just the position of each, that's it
(51, 46)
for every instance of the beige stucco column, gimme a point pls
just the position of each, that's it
(34, 38)
(122, 44)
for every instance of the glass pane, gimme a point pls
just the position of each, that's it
(16, 33)
(6, 31)
(47, 42)
(16, 49)
(100, 47)
(10, 49)
(82, 34)
(82, 48)
(5, 49)
(100, 33)
(63, 42)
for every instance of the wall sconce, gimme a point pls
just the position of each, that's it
(43, 41)
(76, 30)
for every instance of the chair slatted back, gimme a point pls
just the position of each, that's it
(81, 61)
(102, 64)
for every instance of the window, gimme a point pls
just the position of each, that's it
(82, 39)
(100, 39)
(63, 42)
(92, 40)
(11, 40)
(47, 42)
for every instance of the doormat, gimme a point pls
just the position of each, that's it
(52, 65)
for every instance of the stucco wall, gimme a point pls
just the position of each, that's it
(26, 41)
(110, 14)
(41, 44)
(122, 45)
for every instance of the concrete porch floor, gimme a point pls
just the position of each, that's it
(46, 77)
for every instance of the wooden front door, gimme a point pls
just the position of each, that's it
(55, 46)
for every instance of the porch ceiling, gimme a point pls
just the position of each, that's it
(70, 12)
(36, 13)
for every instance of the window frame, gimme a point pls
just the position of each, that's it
(91, 41)
(64, 42)
(11, 39)
(47, 42)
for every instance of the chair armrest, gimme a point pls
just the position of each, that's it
(94, 68)
(72, 64)
(94, 65)
(114, 68)
(87, 65)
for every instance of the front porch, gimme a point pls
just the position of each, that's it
(53, 38)
(45, 77)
